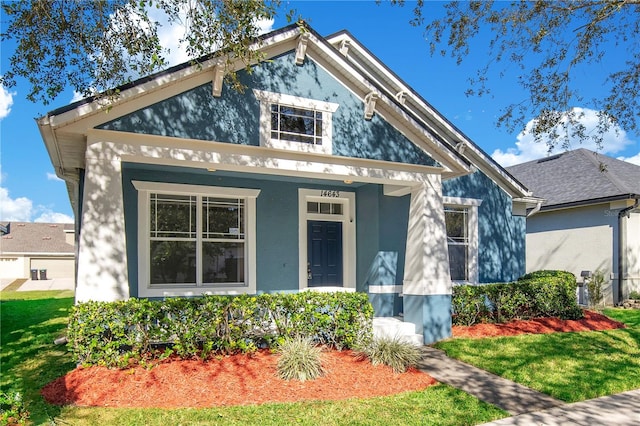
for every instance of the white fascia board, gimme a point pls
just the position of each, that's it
(386, 108)
(183, 79)
(38, 254)
(479, 159)
(162, 150)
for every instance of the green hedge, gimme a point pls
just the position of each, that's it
(538, 294)
(112, 333)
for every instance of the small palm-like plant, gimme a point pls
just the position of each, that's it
(299, 359)
(394, 352)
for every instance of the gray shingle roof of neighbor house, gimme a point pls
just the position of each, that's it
(579, 177)
(36, 238)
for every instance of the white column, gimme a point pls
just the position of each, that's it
(426, 270)
(427, 283)
(102, 260)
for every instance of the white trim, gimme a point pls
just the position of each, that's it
(385, 289)
(348, 219)
(144, 189)
(471, 204)
(327, 108)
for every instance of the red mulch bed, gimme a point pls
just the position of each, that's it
(592, 321)
(242, 380)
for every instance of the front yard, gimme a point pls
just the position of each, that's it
(568, 366)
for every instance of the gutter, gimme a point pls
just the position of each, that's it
(536, 209)
(621, 244)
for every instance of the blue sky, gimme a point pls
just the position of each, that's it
(29, 190)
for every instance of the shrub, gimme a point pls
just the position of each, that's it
(299, 359)
(538, 294)
(595, 289)
(634, 295)
(12, 409)
(393, 352)
(114, 333)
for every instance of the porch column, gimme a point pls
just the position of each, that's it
(427, 282)
(102, 260)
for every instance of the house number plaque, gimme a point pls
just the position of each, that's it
(329, 193)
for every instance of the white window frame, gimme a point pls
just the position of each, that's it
(326, 108)
(348, 219)
(471, 205)
(145, 189)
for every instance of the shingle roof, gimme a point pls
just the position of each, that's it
(579, 177)
(28, 237)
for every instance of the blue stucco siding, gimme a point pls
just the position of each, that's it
(277, 222)
(234, 117)
(431, 314)
(501, 236)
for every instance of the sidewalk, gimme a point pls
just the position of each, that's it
(529, 407)
(31, 285)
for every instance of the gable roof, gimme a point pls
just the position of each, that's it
(36, 238)
(64, 130)
(579, 177)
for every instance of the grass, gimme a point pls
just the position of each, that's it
(568, 366)
(30, 322)
(436, 405)
(29, 360)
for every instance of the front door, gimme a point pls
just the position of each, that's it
(324, 253)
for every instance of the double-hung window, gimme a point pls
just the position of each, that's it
(295, 123)
(461, 222)
(195, 239)
(457, 223)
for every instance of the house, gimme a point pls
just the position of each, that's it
(326, 172)
(590, 220)
(36, 250)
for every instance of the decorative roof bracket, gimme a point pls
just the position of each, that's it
(344, 47)
(401, 96)
(370, 105)
(301, 49)
(218, 77)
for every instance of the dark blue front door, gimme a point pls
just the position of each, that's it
(324, 253)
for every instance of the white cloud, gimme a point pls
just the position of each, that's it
(526, 149)
(21, 209)
(76, 97)
(6, 100)
(635, 159)
(53, 177)
(49, 216)
(14, 210)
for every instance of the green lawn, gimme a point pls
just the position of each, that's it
(29, 360)
(568, 366)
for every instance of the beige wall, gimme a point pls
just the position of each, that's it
(574, 240)
(56, 267)
(632, 252)
(13, 267)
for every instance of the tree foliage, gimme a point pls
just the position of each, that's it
(94, 46)
(548, 42)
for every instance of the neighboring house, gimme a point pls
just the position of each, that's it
(327, 171)
(37, 250)
(590, 220)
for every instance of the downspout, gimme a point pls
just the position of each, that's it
(621, 244)
(536, 209)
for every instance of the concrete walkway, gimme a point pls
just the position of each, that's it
(503, 393)
(31, 285)
(529, 407)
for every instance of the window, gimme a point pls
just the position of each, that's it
(461, 222)
(195, 239)
(458, 242)
(294, 123)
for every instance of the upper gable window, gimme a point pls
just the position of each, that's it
(295, 123)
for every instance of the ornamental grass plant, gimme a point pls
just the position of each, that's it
(393, 352)
(300, 359)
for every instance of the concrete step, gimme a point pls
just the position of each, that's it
(394, 327)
